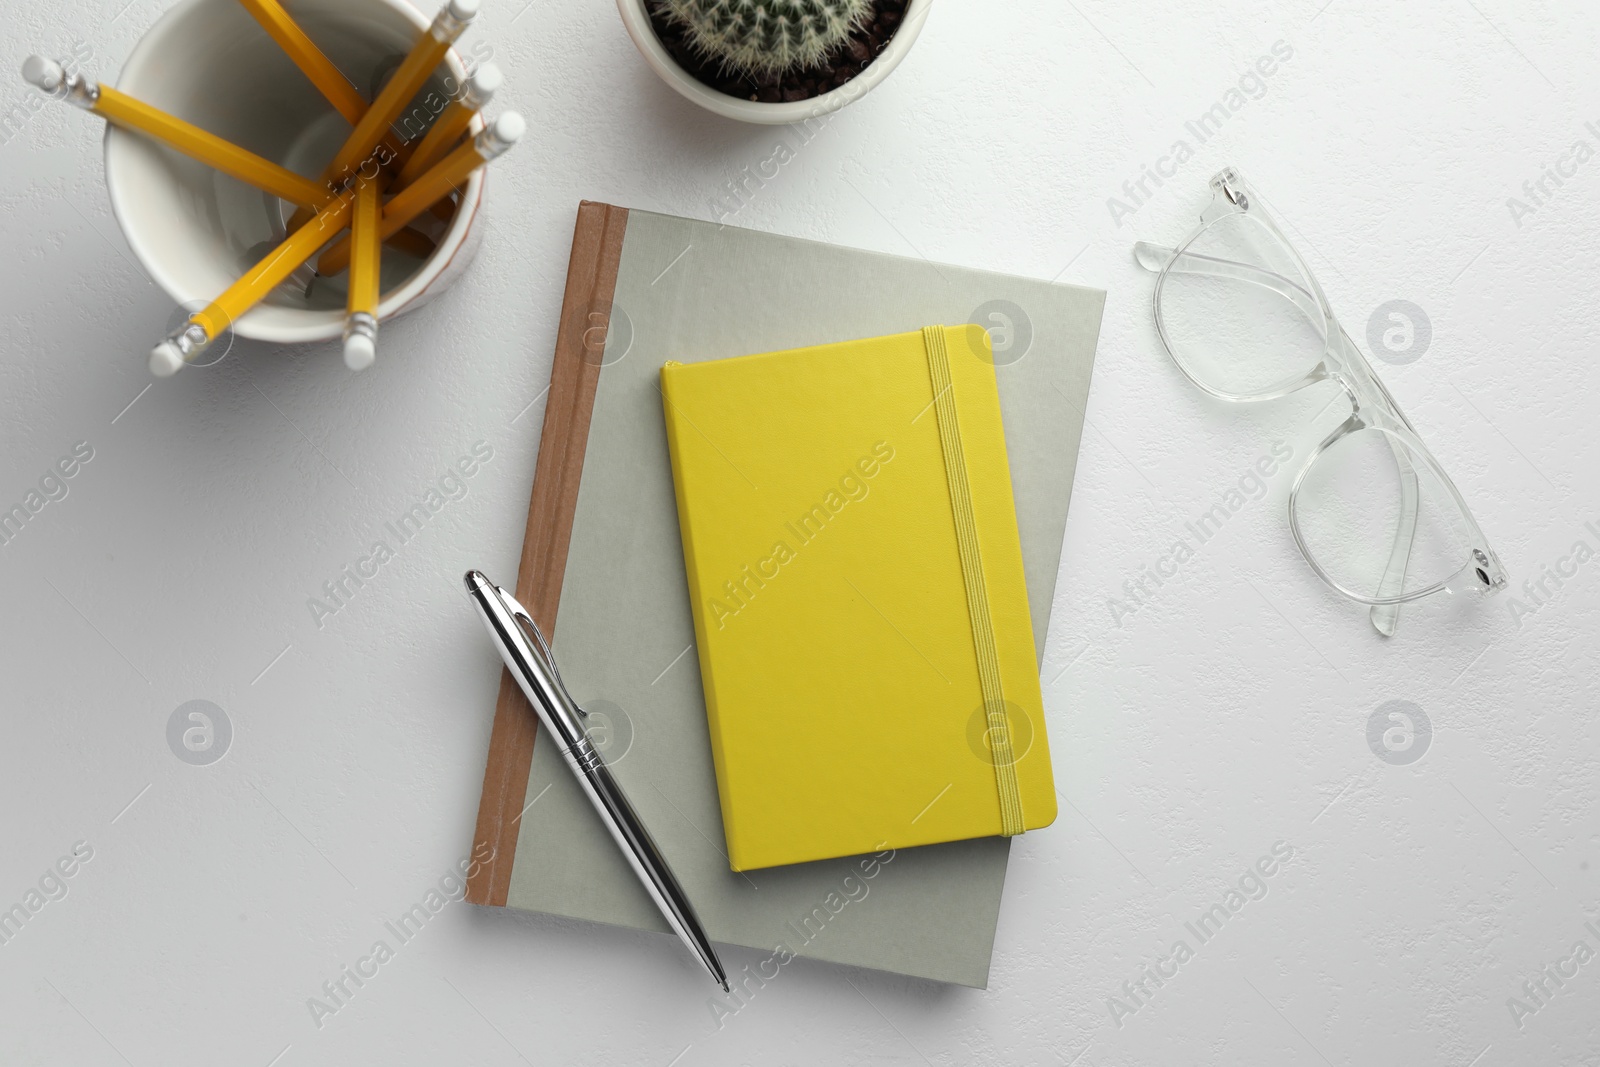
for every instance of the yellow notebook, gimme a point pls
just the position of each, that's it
(860, 612)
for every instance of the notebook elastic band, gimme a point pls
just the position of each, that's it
(955, 466)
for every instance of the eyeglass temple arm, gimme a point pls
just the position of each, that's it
(1385, 617)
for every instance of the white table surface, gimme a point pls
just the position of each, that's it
(1226, 715)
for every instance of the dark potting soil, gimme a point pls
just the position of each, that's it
(839, 66)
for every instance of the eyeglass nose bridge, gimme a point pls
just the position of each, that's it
(1352, 390)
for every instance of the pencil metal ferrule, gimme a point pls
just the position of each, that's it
(473, 98)
(175, 350)
(360, 340)
(452, 19)
(498, 136)
(189, 338)
(362, 323)
(80, 91)
(480, 88)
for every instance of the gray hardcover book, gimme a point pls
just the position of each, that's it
(688, 291)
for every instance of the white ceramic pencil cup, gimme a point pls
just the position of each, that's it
(196, 231)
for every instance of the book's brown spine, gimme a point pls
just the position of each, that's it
(574, 376)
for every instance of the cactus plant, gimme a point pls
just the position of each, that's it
(767, 37)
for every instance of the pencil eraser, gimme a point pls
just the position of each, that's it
(463, 10)
(509, 127)
(488, 79)
(44, 73)
(165, 360)
(359, 352)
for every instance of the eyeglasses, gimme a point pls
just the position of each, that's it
(1372, 511)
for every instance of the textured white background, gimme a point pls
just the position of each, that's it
(1227, 714)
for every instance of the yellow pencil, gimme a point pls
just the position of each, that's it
(451, 124)
(434, 185)
(366, 245)
(204, 325)
(123, 110)
(328, 79)
(414, 69)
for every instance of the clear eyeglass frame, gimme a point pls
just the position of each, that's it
(1236, 207)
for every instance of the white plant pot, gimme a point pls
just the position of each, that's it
(637, 20)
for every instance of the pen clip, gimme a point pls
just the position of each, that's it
(525, 621)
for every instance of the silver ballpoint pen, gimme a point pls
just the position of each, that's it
(534, 668)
